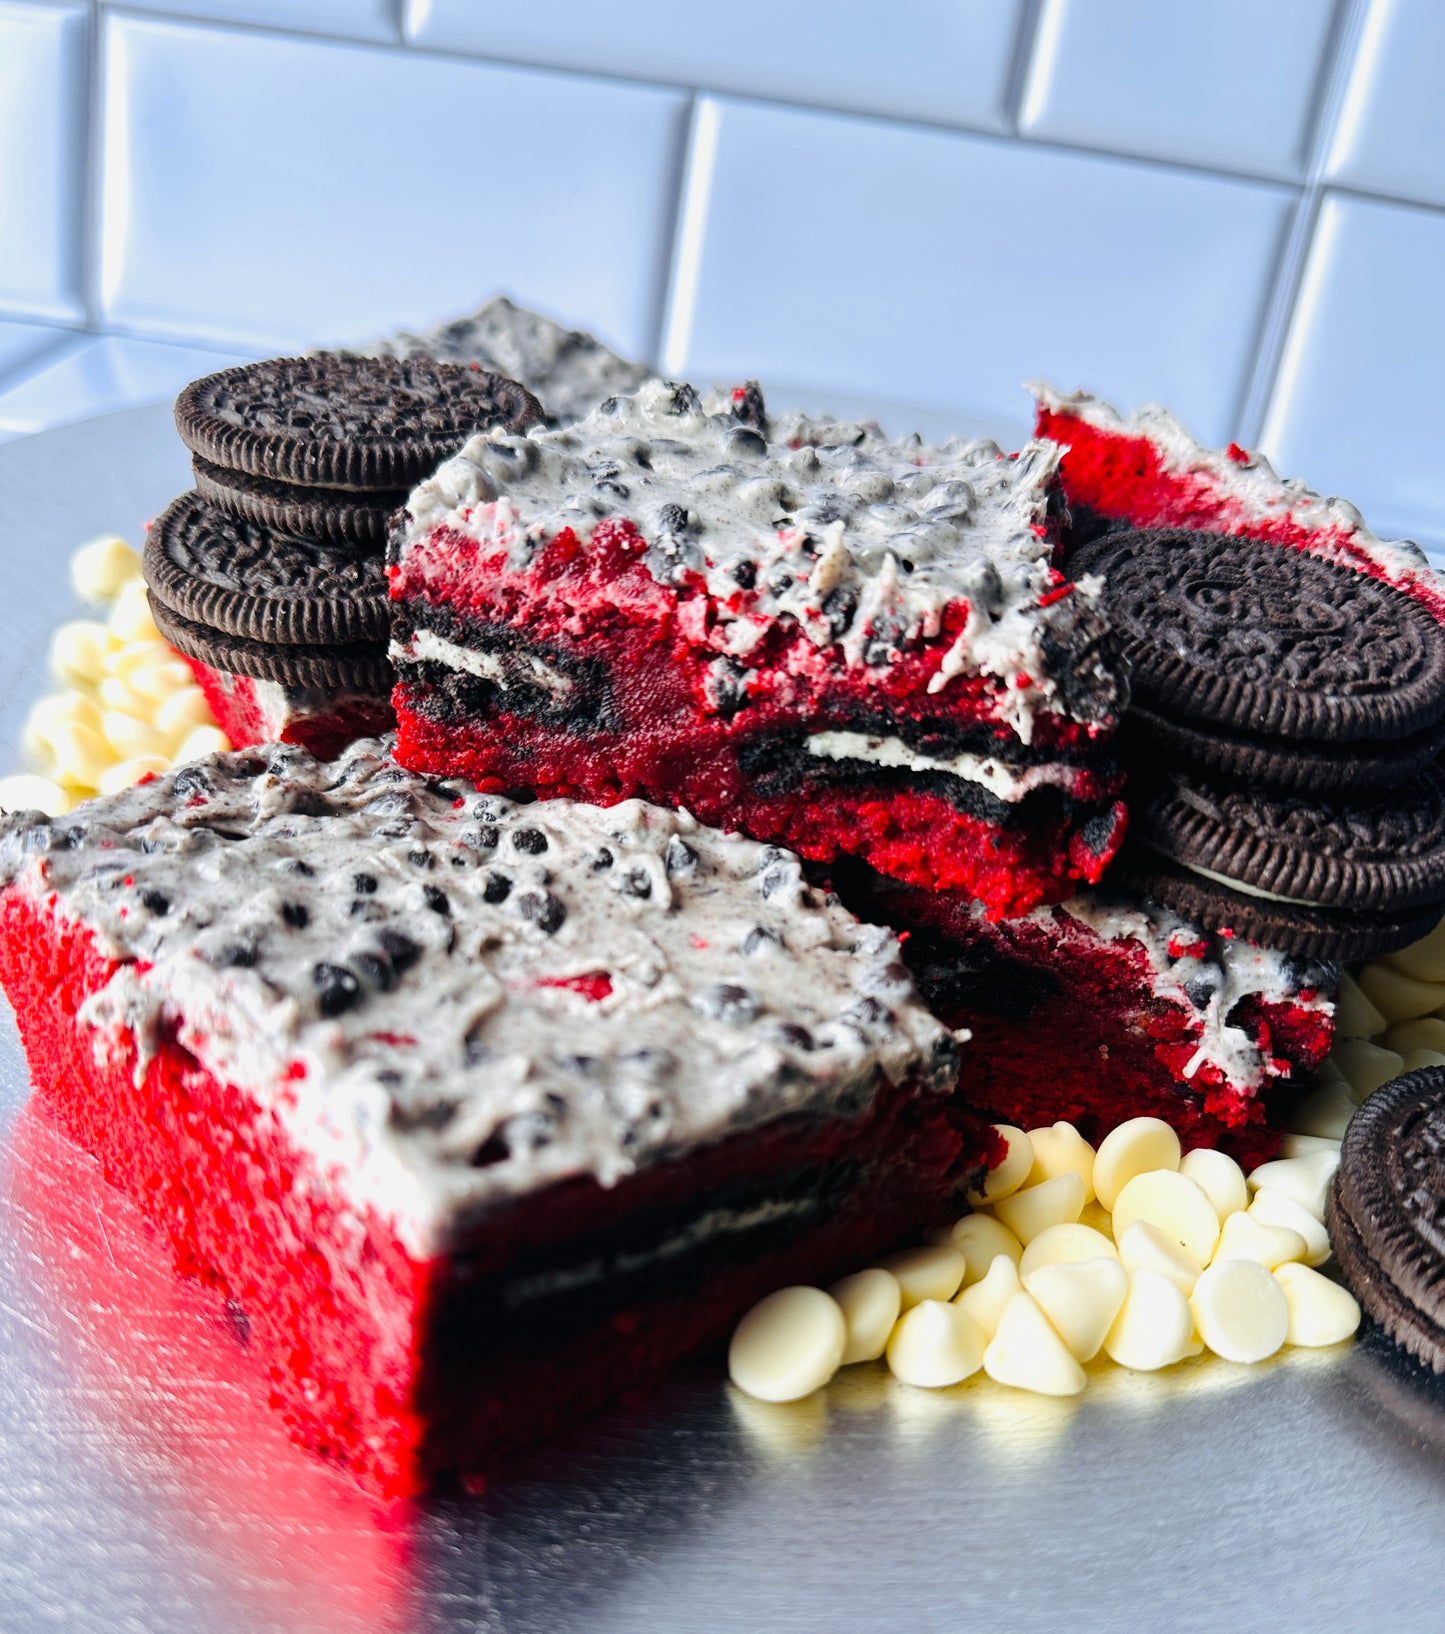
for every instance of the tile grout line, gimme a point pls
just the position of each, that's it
(88, 194)
(670, 246)
(685, 262)
(1280, 307)
(1015, 86)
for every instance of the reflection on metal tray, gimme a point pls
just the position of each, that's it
(145, 1485)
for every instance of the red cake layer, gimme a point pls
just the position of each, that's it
(357, 1336)
(1069, 1024)
(324, 726)
(907, 833)
(1123, 476)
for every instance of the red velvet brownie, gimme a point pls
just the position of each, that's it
(476, 1112)
(1145, 471)
(322, 719)
(1109, 1007)
(829, 640)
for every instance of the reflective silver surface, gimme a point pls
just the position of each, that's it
(144, 1485)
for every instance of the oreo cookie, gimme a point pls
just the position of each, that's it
(245, 580)
(360, 425)
(345, 521)
(1385, 1207)
(1344, 879)
(355, 667)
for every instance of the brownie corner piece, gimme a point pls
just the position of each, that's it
(478, 1112)
(803, 629)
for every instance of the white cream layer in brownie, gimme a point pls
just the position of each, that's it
(448, 999)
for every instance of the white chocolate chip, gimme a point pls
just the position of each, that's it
(1081, 1299)
(130, 737)
(125, 773)
(100, 570)
(1219, 1177)
(1059, 1148)
(1011, 1173)
(81, 756)
(1066, 1244)
(130, 618)
(1240, 1310)
(1325, 1111)
(935, 1345)
(788, 1345)
(78, 652)
(161, 682)
(203, 741)
(1154, 1327)
(1144, 1247)
(26, 792)
(1135, 1147)
(114, 693)
(1355, 1015)
(178, 714)
(1306, 1179)
(1027, 1352)
(870, 1302)
(926, 1273)
(1365, 1066)
(981, 1239)
(1425, 959)
(1176, 1204)
(1245, 1238)
(985, 1300)
(1274, 1208)
(1099, 1218)
(1416, 1059)
(1320, 1311)
(1399, 997)
(1029, 1212)
(128, 656)
(1304, 1145)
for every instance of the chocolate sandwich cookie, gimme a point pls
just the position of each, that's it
(368, 425)
(1268, 642)
(1385, 1207)
(1330, 769)
(347, 521)
(342, 667)
(246, 580)
(1288, 870)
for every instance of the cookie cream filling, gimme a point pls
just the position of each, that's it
(1010, 783)
(1231, 883)
(503, 670)
(1247, 479)
(448, 1000)
(860, 542)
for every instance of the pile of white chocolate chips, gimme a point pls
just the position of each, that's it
(129, 706)
(1131, 1254)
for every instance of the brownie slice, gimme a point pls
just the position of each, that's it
(808, 633)
(1110, 1006)
(476, 1113)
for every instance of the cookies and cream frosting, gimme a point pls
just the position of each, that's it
(449, 999)
(861, 542)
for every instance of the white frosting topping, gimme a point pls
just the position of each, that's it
(568, 371)
(384, 963)
(859, 541)
(1246, 479)
(1007, 782)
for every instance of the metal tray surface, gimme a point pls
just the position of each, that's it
(145, 1486)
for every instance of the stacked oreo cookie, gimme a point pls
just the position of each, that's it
(1283, 741)
(271, 567)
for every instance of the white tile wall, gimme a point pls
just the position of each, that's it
(915, 59)
(908, 207)
(42, 144)
(1391, 133)
(1229, 83)
(945, 269)
(1359, 393)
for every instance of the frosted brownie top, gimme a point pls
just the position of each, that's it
(1248, 481)
(450, 999)
(866, 544)
(567, 370)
